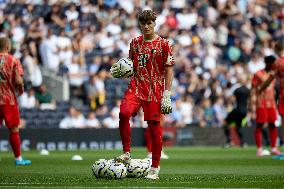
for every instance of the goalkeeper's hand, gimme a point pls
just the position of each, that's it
(115, 70)
(166, 106)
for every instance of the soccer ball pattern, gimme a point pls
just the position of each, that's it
(126, 67)
(138, 168)
(114, 170)
(100, 168)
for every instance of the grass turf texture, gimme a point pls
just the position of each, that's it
(195, 167)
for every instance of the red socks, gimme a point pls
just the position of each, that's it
(258, 136)
(148, 140)
(156, 135)
(273, 135)
(15, 142)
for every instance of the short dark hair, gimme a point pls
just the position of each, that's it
(4, 43)
(279, 46)
(269, 59)
(146, 16)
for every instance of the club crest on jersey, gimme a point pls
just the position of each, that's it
(153, 51)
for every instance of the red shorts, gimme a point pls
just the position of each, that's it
(11, 115)
(281, 107)
(266, 115)
(131, 103)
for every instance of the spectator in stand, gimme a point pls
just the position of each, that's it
(92, 121)
(49, 51)
(96, 92)
(28, 99)
(95, 65)
(74, 119)
(112, 121)
(45, 98)
(77, 72)
(33, 72)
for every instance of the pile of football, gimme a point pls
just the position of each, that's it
(111, 169)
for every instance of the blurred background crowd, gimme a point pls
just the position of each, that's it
(214, 43)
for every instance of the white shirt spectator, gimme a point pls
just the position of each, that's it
(186, 111)
(71, 15)
(222, 35)
(178, 4)
(113, 120)
(49, 53)
(255, 65)
(72, 122)
(92, 121)
(106, 43)
(18, 34)
(76, 77)
(114, 28)
(184, 40)
(28, 100)
(65, 56)
(34, 72)
(63, 42)
(186, 20)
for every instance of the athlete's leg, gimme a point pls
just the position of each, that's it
(273, 135)
(226, 128)
(129, 106)
(148, 140)
(258, 138)
(11, 116)
(156, 135)
(15, 141)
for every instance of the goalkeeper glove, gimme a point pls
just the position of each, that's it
(115, 70)
(166, 107)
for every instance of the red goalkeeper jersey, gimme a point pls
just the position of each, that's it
(266, 99)
(149, 61)
(9, 67)
(279, 66)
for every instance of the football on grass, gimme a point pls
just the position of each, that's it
(126, 67)
(100, 168)
(116, 170)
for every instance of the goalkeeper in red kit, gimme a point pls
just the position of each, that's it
(278, 73)
(264, 105)
(11, 85)
(149, 88)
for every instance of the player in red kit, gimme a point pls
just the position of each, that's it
(278, 72)
(149, 88)
(11, 85)
(264, 106)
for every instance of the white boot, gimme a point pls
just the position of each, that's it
(153, 174)
(123, 158)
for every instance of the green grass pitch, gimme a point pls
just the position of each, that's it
(188, 167)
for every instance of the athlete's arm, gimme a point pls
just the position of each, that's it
(169, 75)
(19, 81)
(266, 83)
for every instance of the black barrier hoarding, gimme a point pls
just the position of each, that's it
(83, 139)
(70, 139)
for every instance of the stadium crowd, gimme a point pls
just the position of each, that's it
(214, 42)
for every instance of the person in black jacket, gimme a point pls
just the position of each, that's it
(239, 112)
